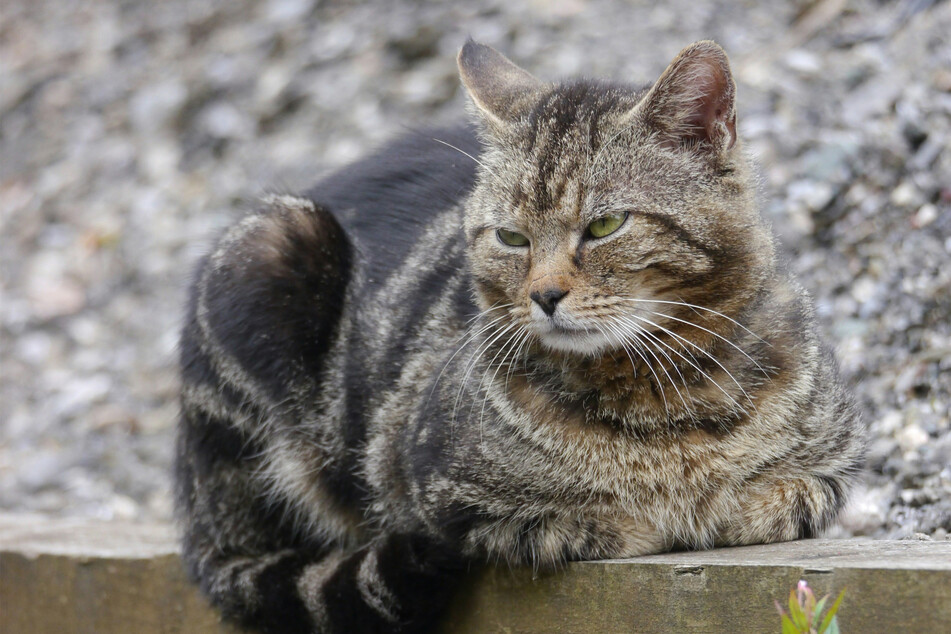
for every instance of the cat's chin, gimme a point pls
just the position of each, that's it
(583, 342)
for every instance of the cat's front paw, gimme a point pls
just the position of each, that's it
(782, 509)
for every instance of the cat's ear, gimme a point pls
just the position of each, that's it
(694, 101)
(499, 89)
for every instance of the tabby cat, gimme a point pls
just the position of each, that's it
(563, 335)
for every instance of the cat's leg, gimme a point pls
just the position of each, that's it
(266, 302)
(250, 317)
(398, 583)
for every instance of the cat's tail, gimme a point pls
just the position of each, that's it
(262, 570)
(394, 584)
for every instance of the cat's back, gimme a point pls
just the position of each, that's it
(390, 200)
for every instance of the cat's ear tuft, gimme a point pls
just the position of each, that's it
(499, 89)
(694, 101)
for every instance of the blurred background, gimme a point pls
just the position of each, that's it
(132, 131)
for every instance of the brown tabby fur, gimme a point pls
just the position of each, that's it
(375, 395)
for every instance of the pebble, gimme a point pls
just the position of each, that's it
(154, 107)
(224, 120)
(816, 195)
(925, 216)
(905, 195)
(804, 62)
(35, 347)
(43, 470)
(110, 415)
(80, 392)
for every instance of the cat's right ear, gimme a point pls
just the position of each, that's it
(499, 89)
(694, 101)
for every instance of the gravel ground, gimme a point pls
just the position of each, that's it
(132, 131)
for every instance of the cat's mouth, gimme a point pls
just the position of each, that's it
(562, 325)
(572, 338)
(572, 331)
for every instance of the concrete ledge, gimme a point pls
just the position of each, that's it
(68, 576)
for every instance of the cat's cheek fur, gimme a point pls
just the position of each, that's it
(500, 273)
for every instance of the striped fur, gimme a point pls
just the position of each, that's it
(372, 401)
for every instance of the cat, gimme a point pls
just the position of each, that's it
(561, 334)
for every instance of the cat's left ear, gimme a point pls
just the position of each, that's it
(694, 101)
(500, 90)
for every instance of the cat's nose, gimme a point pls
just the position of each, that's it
(548, 299)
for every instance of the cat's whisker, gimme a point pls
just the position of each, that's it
(518, 340)
(470, 366)
(470, 337)
(472, 334)
(650, 350)
(707, 354)
(525, 336)
(472, 362)
(707, 376)
(698, 307)
(464, 153)
(495, 306)
(659, 341)
(721, 337)
(639, 351)
(622, 342)
(708, 331)
(512, 340)
(674, 365)
(692, 361)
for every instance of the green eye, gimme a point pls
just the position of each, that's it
(607, 225)
(511, 238)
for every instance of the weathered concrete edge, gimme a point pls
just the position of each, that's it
(81, 576)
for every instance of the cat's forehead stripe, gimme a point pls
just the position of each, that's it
(561, 136)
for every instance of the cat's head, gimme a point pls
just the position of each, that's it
(598, 203)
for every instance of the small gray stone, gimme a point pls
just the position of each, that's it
(225, 121)
(154, 108)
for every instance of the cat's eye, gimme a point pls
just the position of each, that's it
(511, 238)
(606, 225)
